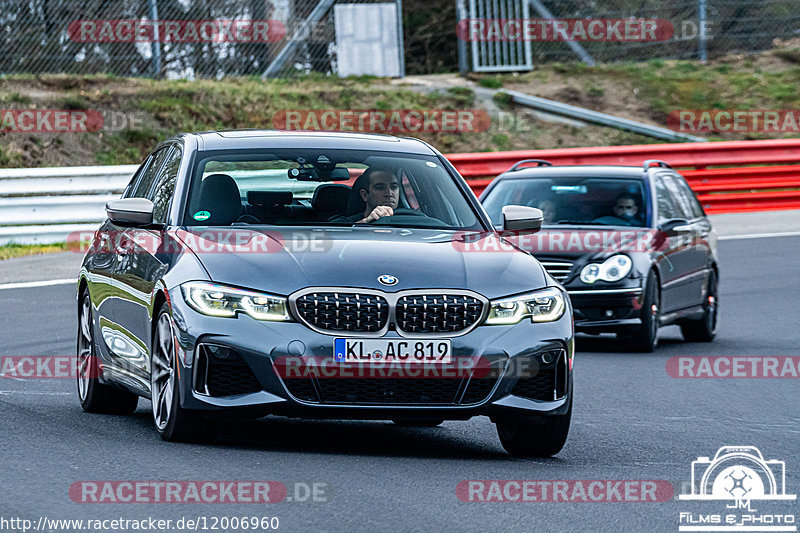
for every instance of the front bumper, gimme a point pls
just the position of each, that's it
(607, 309)
(515, 353)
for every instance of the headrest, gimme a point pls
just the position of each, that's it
(354, 202)
(331, 197)
(219, 196)
(269, 198)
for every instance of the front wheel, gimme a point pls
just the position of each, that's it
(173, 422)
(704, 329)
(522, 439)
(646, 338)
(96, 397)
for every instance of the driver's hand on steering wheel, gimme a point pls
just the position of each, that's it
(378, 212)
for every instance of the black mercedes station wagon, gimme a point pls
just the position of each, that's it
(631, 245)
(319, 275)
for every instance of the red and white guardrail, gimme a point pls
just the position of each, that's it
(736, 185)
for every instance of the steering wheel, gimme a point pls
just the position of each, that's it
(404, 211)
(412, 217)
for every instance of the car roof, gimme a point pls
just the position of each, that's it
(603, 171)
(253, 139)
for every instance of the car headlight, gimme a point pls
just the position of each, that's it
(614, 268)
(547, 305)
(218, 300)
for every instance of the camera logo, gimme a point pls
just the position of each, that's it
(738, 476)
(738, 473)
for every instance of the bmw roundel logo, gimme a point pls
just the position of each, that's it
(387, 279)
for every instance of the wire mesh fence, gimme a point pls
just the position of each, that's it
(687, 29)
(170, 38)
(277, 38)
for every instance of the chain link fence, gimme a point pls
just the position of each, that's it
(730, 26)
(172, 38)
(688, 29)
(278, 38)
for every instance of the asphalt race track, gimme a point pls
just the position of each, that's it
(632, 421)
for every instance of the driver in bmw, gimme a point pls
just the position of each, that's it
(380, 190)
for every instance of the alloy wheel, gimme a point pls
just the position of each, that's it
(162, 372)
(85, 350)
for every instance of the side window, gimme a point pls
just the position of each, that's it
(164, 187)
(689, 197)
(146, 178)
(128, 192)
(666, 207)
(680, 200)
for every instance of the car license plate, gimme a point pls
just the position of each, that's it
(428, 351)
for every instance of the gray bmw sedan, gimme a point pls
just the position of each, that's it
(319, 275)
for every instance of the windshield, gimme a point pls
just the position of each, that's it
(570, 200)
(304, 187)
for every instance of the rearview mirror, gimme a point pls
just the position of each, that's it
(522, 218)
(319, 174)
(676, 227)
(130, 211)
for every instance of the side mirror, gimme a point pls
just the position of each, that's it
(676, 227)
(130, 211)
(522, 218)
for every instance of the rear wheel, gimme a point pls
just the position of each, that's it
(173, 422)
(646, 338)
(94, 396)
(704, 329)
(523, 439)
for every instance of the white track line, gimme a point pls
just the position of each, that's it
(760, 235)
(32, 284)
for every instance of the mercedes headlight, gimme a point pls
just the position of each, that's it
(218, 300)
(614, 268)
(547, 305)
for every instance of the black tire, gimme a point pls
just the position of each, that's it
(704, 329)
(418, 423)
(96, 397)
(173, 422)
(522, 439)
(646, 338)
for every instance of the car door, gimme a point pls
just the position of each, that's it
(123, 334)
(699, 250)
(673, 261)
(100, 270)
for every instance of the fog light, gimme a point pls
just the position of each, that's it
(219, 352)
(548, 357)
(609, 313)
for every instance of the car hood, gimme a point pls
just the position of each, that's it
(284, 261)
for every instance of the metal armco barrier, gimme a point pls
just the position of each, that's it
(44, 205)
(741, 188)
